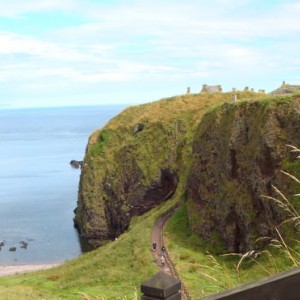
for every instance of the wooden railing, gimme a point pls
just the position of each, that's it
(282, 286)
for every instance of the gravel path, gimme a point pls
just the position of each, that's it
(157, 237)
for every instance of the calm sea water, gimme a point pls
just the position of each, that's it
(38, 187)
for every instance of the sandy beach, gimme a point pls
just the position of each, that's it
(13, 270)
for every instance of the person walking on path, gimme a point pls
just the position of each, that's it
(154, 246)
(162, 261)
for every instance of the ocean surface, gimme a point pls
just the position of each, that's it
(38, 187)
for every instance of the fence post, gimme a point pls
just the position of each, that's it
(161, 286)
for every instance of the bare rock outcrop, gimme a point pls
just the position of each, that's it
(238, 152)
(121, 180)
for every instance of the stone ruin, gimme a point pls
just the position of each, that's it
(286, 89)
(211, 89)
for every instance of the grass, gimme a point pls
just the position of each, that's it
(114, 271)
(248, 145)
(205, 272)
(115, 156)
(97, 149)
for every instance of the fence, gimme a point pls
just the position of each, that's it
(282, 286)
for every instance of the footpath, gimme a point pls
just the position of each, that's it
(168, 266)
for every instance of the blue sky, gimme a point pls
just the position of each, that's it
(86, 52)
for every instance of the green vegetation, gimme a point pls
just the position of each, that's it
(129, 164)
(98, 148)
(205, 272)
(116, 270)
(237, 154)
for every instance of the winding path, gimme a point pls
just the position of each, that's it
(158, 238)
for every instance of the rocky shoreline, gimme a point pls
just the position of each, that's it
(21, 269)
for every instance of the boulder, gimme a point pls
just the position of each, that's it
(138, 128)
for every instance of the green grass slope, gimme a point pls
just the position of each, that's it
(121, 168)
(116, 270)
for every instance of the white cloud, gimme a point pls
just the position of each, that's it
(17, 8)
(155, 43)
(11, 43)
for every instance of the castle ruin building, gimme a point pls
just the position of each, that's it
(286, 89)
(211, 89)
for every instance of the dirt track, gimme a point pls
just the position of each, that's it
(157, 237)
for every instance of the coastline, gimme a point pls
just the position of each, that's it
(21, 269)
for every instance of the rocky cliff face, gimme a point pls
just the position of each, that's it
(121, 190)
(238, 152)
(135, 162)
(232, 155)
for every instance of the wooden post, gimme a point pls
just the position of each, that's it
(234, 97)
(161, 286)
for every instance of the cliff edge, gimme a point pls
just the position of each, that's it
(136, 162)
(239, 151)
(222, 156)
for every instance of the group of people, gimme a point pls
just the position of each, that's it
(163, 253)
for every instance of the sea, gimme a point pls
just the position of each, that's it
(38, 186)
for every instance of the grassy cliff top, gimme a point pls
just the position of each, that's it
(190, 106)
(116, 270)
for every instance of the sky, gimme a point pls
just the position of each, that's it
(93, 52)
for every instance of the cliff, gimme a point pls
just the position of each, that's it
(223, 156)
(136, 162)
(238, 152)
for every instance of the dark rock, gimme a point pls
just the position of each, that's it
(238, 154)
(12, 249)
(126, 175)
(120, 200)
(138, 128)
(24, 245)
(76, 164)
(117, 214)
